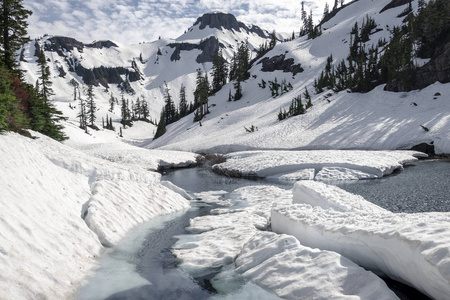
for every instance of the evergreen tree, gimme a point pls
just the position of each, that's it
(124, 111)
(112, 101)
(145, 111)
(326, 11)
(273, 40)
(335, 6)
(308, 98)
(161, 129)
(219, 71)
(49, 116)
(82, 114)
(91, 106)
(201, 94)
(13, 27)
(11, 113)
(183, 102)
(169, 108)
(238, 91)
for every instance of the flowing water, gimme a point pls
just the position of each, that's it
(143, 267)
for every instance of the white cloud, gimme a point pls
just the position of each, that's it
(134, 21)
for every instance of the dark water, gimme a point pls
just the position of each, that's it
(422, 187)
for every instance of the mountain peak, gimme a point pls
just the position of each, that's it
(220, 20)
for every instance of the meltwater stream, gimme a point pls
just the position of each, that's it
(143, 267)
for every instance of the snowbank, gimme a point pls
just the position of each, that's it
(280, 263)
(412, 248)
(326, 196)
(58, 205)
(275, 262)
(315, 164)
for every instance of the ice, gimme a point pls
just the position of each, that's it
(411, 248)
(329, 164)
(117, 271)
(281, 264)
(275, 262)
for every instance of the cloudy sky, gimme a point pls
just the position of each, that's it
(134, 21)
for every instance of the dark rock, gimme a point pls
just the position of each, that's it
(280, 63)
(59, 43)
(393, 4)
(229, 22)
(102, 44)
(208, 48)
(425, 148)
(437, 69)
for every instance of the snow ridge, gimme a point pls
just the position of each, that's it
(412, 248)
(59, 206)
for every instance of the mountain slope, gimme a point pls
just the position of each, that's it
(374, 120)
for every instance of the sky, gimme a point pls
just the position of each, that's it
(134, 21)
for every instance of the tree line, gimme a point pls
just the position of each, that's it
(22, 105)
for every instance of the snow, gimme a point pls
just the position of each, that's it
(411, 248)
(60, 206)
(327, 164)
(377, 120)
(280, 263)
(236, 235)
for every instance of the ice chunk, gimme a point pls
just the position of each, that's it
(280, 263)
(412, 248)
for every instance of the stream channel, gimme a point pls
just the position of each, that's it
(142, 265)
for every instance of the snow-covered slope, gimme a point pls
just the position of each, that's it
(374, 120)
(60, 205)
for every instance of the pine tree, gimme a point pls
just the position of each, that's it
(238, 91)
(169, 107)
(308, 98)
(145, 112)
(219, 71)
(326, 11)
(90, 105)
(13, 27)
(183, 102)
(161, 129)
(82, 114)
(273, 40)
(124, 111)
(112, 101)
(201, 94)
(50, 116)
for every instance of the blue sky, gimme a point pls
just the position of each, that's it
(134, 21)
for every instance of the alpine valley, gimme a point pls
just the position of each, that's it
(355, 97)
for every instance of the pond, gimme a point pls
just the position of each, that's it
(144, 260)
(421, 187)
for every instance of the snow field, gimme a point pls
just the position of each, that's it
(315, 164)
(58, 206)
(411, 248)
(274, 262)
